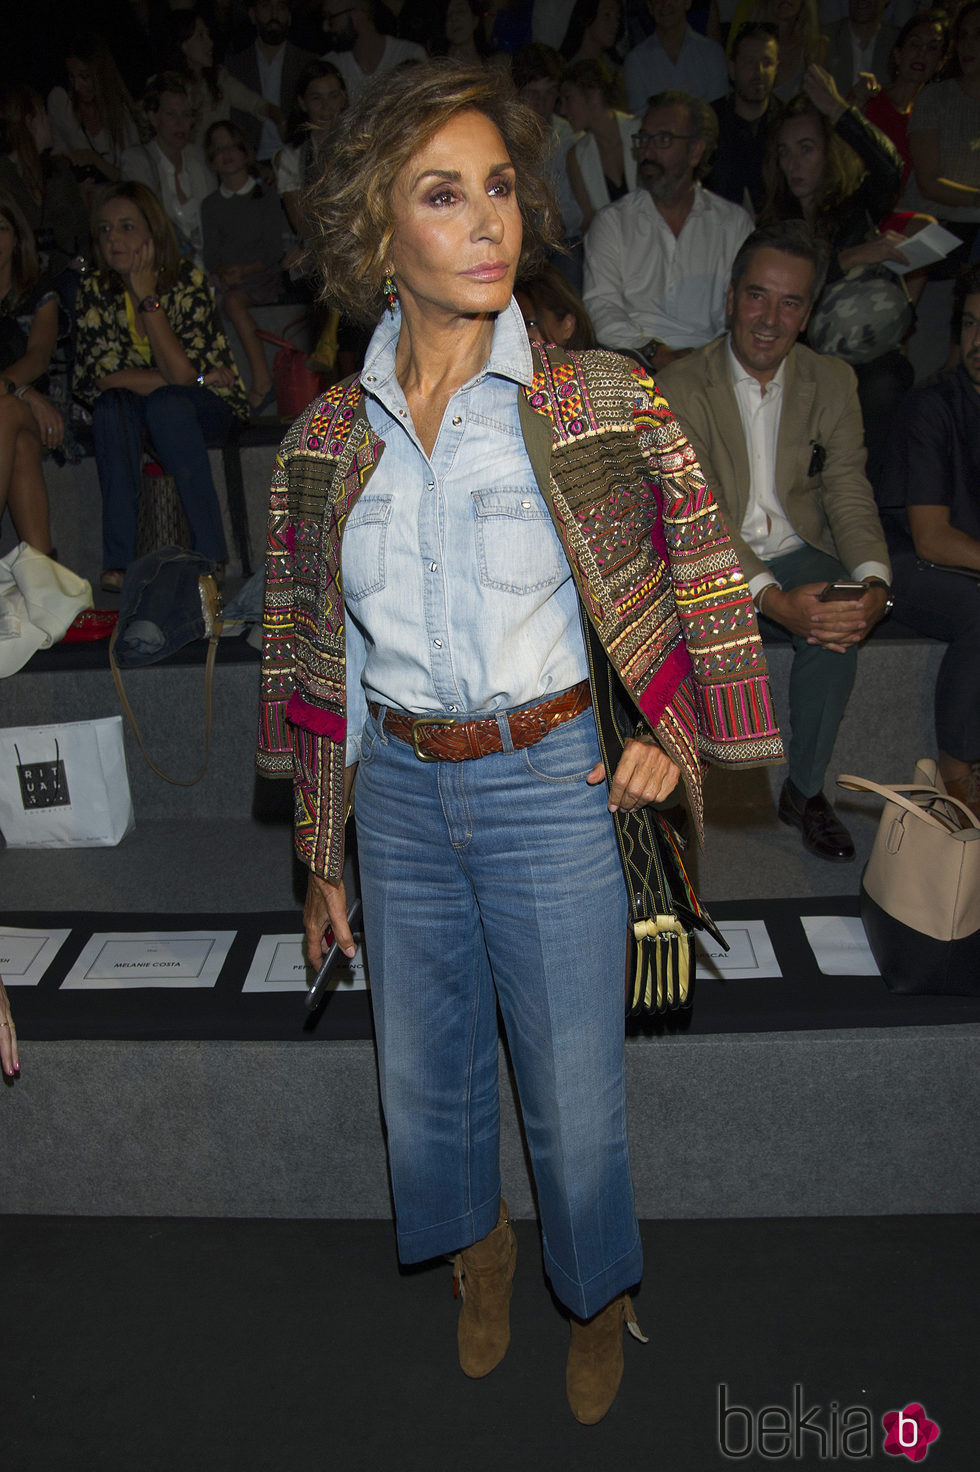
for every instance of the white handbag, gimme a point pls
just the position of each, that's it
(38, 600)
(920, 891)
(65, 786)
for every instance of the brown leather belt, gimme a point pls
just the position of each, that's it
(441, 739)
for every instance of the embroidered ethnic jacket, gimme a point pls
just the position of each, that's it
(655, 570)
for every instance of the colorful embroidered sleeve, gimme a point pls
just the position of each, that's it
(655, 569)
(303, 721)
(729, 683)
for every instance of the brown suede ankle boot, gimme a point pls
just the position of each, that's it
(595, 1359)
(485, 1278)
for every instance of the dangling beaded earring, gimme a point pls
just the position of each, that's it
(391, 294)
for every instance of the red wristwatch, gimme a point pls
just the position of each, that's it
(150, 304)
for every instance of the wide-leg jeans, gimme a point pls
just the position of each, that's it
(486, 881)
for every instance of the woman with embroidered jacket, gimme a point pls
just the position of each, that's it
(435, 526)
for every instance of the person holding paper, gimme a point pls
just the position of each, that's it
(9, 1056)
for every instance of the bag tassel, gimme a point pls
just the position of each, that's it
(660, 964)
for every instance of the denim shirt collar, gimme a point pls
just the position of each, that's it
(510, 354)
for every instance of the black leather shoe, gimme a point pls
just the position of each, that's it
(823, 832)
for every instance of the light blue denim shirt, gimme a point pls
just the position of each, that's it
(459, 596)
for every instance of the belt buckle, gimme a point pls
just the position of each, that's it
(427, 721)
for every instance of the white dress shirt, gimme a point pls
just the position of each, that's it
(150, 165)
(765, 526)
(642, 281)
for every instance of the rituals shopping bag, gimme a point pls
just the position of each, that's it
(64, 786)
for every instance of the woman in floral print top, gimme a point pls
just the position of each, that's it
(152, 360)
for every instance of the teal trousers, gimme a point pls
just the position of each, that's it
(820, 680)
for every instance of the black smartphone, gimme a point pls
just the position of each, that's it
(331, 960)
(842, 592)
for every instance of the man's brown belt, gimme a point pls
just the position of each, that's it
(441, 739)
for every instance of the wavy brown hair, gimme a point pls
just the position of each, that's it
(842, 173)
(112, 96)
(349, 207)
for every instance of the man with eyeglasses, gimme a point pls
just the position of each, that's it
(657, 261)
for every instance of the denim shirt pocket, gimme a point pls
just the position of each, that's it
(364, 543)
(517, 547)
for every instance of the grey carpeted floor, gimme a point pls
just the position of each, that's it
(135, 1345)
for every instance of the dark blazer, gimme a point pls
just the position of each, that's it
(833, 509)
(245, 66)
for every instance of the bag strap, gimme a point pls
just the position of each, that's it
(275, 340)
(894, 794)
(216, 627)
(282, 341)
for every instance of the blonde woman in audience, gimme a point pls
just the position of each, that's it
(94, 118)
(601, 164)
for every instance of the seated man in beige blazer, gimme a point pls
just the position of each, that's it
(778, 431)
